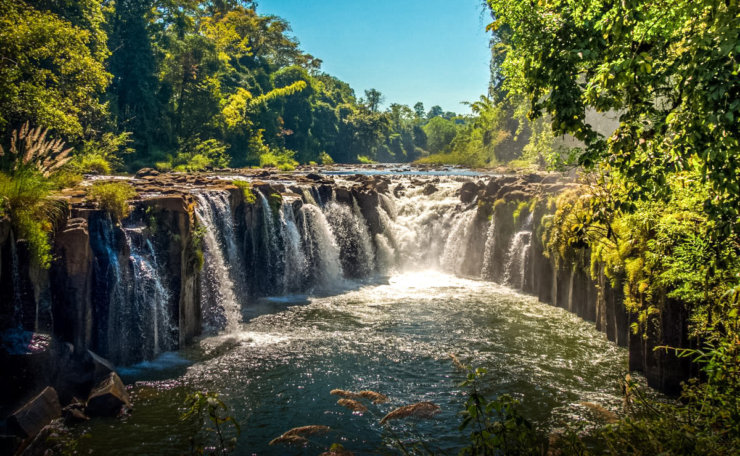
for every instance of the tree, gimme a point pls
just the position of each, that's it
(374, 99)
(419, 109)
(439, 132)
(669, 68)
(51, 71)
(435, 111)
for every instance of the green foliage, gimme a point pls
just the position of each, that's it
(30, 170)
(207, 410)
(669, 68)
(496, 426)
(326, 159)
(102, 155)
(198, 155)
(280, 159)
(247, 192)
(365, 160)
(440, 132)
(57, 71)
(112, 197)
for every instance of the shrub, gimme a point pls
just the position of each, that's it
(246, 187)
(326, 159)
(103, 155)
(32, 163)
(112, 197)
(365, 160)
(198, 155)
(163, 166)
(281, 159)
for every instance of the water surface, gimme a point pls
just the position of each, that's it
(395, 337)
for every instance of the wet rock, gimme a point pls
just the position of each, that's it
(468, 192)
(314, 177)
(343, 195)
(399, 190)
(108, 397)
(146, 172)
(429, 189)
(37, 413)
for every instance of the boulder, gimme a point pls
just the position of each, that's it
(108, 397)
(74, 412)
(36, 413)
(343, 195)
(314, 176)
(429, 189)
(145, 172)
(468, 191)
(399, 190)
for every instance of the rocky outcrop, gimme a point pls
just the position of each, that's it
(37, 413)
(108, 398)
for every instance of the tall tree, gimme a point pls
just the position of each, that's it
(374, 99)
(51, 71)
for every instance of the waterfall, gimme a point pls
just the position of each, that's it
(488, 252)
(219, 302)
(353, 238)
(150, 297)
(418, 225)
(321, 247)
(456, 245)
(517, 259)
(295, 259)
(273, 254)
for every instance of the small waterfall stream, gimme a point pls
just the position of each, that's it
(219, 303)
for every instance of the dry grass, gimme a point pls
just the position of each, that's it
(457, 362)
(353, 405)
(295, 436)
(377, 398)
(418, 410)
(345, 394)
(289, 440)
(31, 147)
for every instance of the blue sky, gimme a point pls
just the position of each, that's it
(433, 51)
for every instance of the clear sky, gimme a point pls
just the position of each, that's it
(433, 51)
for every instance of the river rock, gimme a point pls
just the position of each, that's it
(468, 192)
(429, 189)
(146, 172)
(37, 413)
(108, 397)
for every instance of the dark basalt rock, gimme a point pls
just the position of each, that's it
(37, 413)
(429, 189)
(108, 398)
(146, 172)
(468, 192)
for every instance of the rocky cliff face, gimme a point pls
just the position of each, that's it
(195, 248)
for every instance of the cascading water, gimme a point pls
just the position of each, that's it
(391, 336)
(417, 233)
(295, 259)
(488, 252)
(353, 238)
(219, 303)
(150, 297)
(518, 255)
(456, 244)
(322, 251)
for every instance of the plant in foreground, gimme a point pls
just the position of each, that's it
(207, 409)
